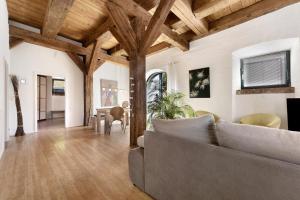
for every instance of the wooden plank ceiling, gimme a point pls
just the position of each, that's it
(86, 20)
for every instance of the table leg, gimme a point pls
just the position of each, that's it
(126, 118)
(98, 122)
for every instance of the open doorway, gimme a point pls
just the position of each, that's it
(50, 102)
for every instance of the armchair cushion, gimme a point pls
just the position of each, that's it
(262, 119)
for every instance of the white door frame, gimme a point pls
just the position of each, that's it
(35, 110)
(6, 99)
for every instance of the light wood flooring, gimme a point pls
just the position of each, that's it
(49, 124)
(68, 164)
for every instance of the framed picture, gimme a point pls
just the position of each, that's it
(58, 87)
(109, 92)
(199, 83)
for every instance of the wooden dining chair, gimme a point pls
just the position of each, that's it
(115, 114)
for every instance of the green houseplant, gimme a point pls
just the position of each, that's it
(168, 106)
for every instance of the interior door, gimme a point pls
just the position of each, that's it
(42, 97)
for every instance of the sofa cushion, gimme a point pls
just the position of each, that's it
(140, 141)
(269, 142)
(200, 129)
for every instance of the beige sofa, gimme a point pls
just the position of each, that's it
(184, 167)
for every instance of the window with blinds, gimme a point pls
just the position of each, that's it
(272, 70)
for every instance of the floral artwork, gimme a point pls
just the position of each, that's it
(199, 83)
(109, 92)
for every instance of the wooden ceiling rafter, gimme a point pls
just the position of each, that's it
(203, 10)
(251, 12)
(76, 59)
(103, 28)
(106, 26)
(94, 57)
(56, 13)
(219, 14)
(115, 59)
(13, 42)
(38, 39)
(158, 48)
(99, 64)
(120, 38)
(135, 9)
(118, 49)
(123, 26)
(183, 10)
(156, 22)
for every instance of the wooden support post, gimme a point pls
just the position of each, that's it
(137, 72)
(88, 87)
(137, 68)
(93, 63)
(136, 40)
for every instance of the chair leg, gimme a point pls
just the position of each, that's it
(123, 124)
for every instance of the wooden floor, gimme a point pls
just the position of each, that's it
(51, 124)
(68, 164)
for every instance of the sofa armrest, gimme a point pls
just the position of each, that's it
(136, 167)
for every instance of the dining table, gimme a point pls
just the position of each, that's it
(102, 112)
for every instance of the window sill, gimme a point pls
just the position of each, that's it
(266, 90)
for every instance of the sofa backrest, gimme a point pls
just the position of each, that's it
(178, 168)
(201, 129)
(270, 142)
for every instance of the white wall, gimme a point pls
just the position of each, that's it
(4, 57)
(111, 71)
(27, 61)
(265, 103)
(216, 51)
(58, 103)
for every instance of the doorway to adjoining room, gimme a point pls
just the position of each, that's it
(50, 102)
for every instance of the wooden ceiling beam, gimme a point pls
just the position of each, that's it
(118, 50)
(35, 38)
(56, 13)
(155, 24)
(115, 59)
(103, 28)
(183, 10)
(13, 42)
(147, 4)
(76, 59)
(99, 64)
(203, 10)
(158, 48)
(135, 10)
(94, 57)
(246, 14)
(120, 39)
(123, 25)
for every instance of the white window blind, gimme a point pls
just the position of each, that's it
(266, 71)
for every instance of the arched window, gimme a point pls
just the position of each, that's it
(156, 85)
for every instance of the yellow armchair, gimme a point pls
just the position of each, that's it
(262, 119)
(200, 113)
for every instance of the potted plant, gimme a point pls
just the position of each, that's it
(168, 106)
